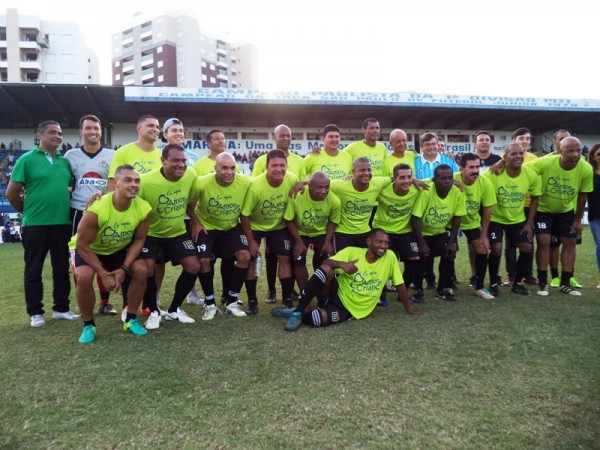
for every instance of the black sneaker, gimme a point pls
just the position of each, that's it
(417, 297)
(446, 295)
(429, 284)
(295, 296)
(107, 310)
(472, 281)
(271, 297)
(288, 303)
(495, 289)
(252, 308)
(518, 288)
(454, 283)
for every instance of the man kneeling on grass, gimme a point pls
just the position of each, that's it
(353, 293)
(109, 239)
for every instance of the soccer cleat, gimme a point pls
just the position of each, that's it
(124, 314)
(194, 298)
(417, 297)
(382, 302)
(88, 334)
(430, 284)
(569, 291)
(252, 308)
(235, 309)
(282, 311)
(107, 310)
(531, 280)
(271, 297)
(509, 281)
(484, 294)
(179, 316)
(134, 327)
(555, 283)
(65, 315)
(575, 283)
(37, 320)
(295, 296)
(446, 295)
(294, 321)
(210, 311)
(495, 289)
(518, 288)
(288, 302)
(153, 322)
(543, 290)
(472, 281)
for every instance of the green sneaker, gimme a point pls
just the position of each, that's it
(294, 322)
(134, 327)
(555, 282)
(282, 311)
(575, 283)
(88, 334)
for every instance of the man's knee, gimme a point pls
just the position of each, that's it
(138, 270)
(243, 258)
(315, 318)
(84, 275)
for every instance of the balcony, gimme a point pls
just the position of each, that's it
(147, 60)
(43, 42)
(29, 44)
(128, 80)
(33, 65)
(147, 74)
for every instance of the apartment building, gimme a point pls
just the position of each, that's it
(33, 50)
(173, 50)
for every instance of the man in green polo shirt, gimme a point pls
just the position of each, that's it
(44, 176)
(370, 147)
(332, 161)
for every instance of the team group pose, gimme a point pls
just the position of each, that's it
(369, 216)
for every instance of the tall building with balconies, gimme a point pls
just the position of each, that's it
(39, 51)
(172, 50)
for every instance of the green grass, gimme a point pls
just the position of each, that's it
(513, 373)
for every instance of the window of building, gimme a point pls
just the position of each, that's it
(212, 67)
(117, 63)
(457, 138)
(159, 49)
(67, 38)
(68, 57)
(204, 77)
(161, 78)
(203, 64)
(49, 57)
(159, 64)
(213, 80)
(117, 77)
(223, 84)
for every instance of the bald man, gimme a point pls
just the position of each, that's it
(311, 219)
(218, 205)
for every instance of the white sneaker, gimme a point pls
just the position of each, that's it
(234, 308)
(124, 314)
(65, 315)
(210, 311)
(543, 290)
(484, 294)
(37, 320)
(180, 316)
(153, 322)
(194, 297)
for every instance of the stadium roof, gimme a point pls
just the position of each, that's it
(25, 105)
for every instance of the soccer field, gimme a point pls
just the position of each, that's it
(517, 372)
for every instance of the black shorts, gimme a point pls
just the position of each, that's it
(317, 245)
(472, 235)
(335, 309)
(404, 245)
(438, 243)
(343, 240)
(278, 241)
(171, 249)
(109, 262)
(556, 224)
(76, 216)
(513, 234)
(218, 243)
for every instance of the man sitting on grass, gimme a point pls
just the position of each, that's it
(109, 239)
(360, 276)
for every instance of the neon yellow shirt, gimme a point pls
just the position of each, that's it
(131, 154)
(436, 213)
(392, 161)
(115, 228)
(295, 165)
(219, 207)
(394, 211)
(311, 216)
(361, 291)
(169, 200)
(479, 195)
(375, 154)
(511, 193)
(335, 167)
(357, 206)
(265, 205)
(527, 158)
(560, 187)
